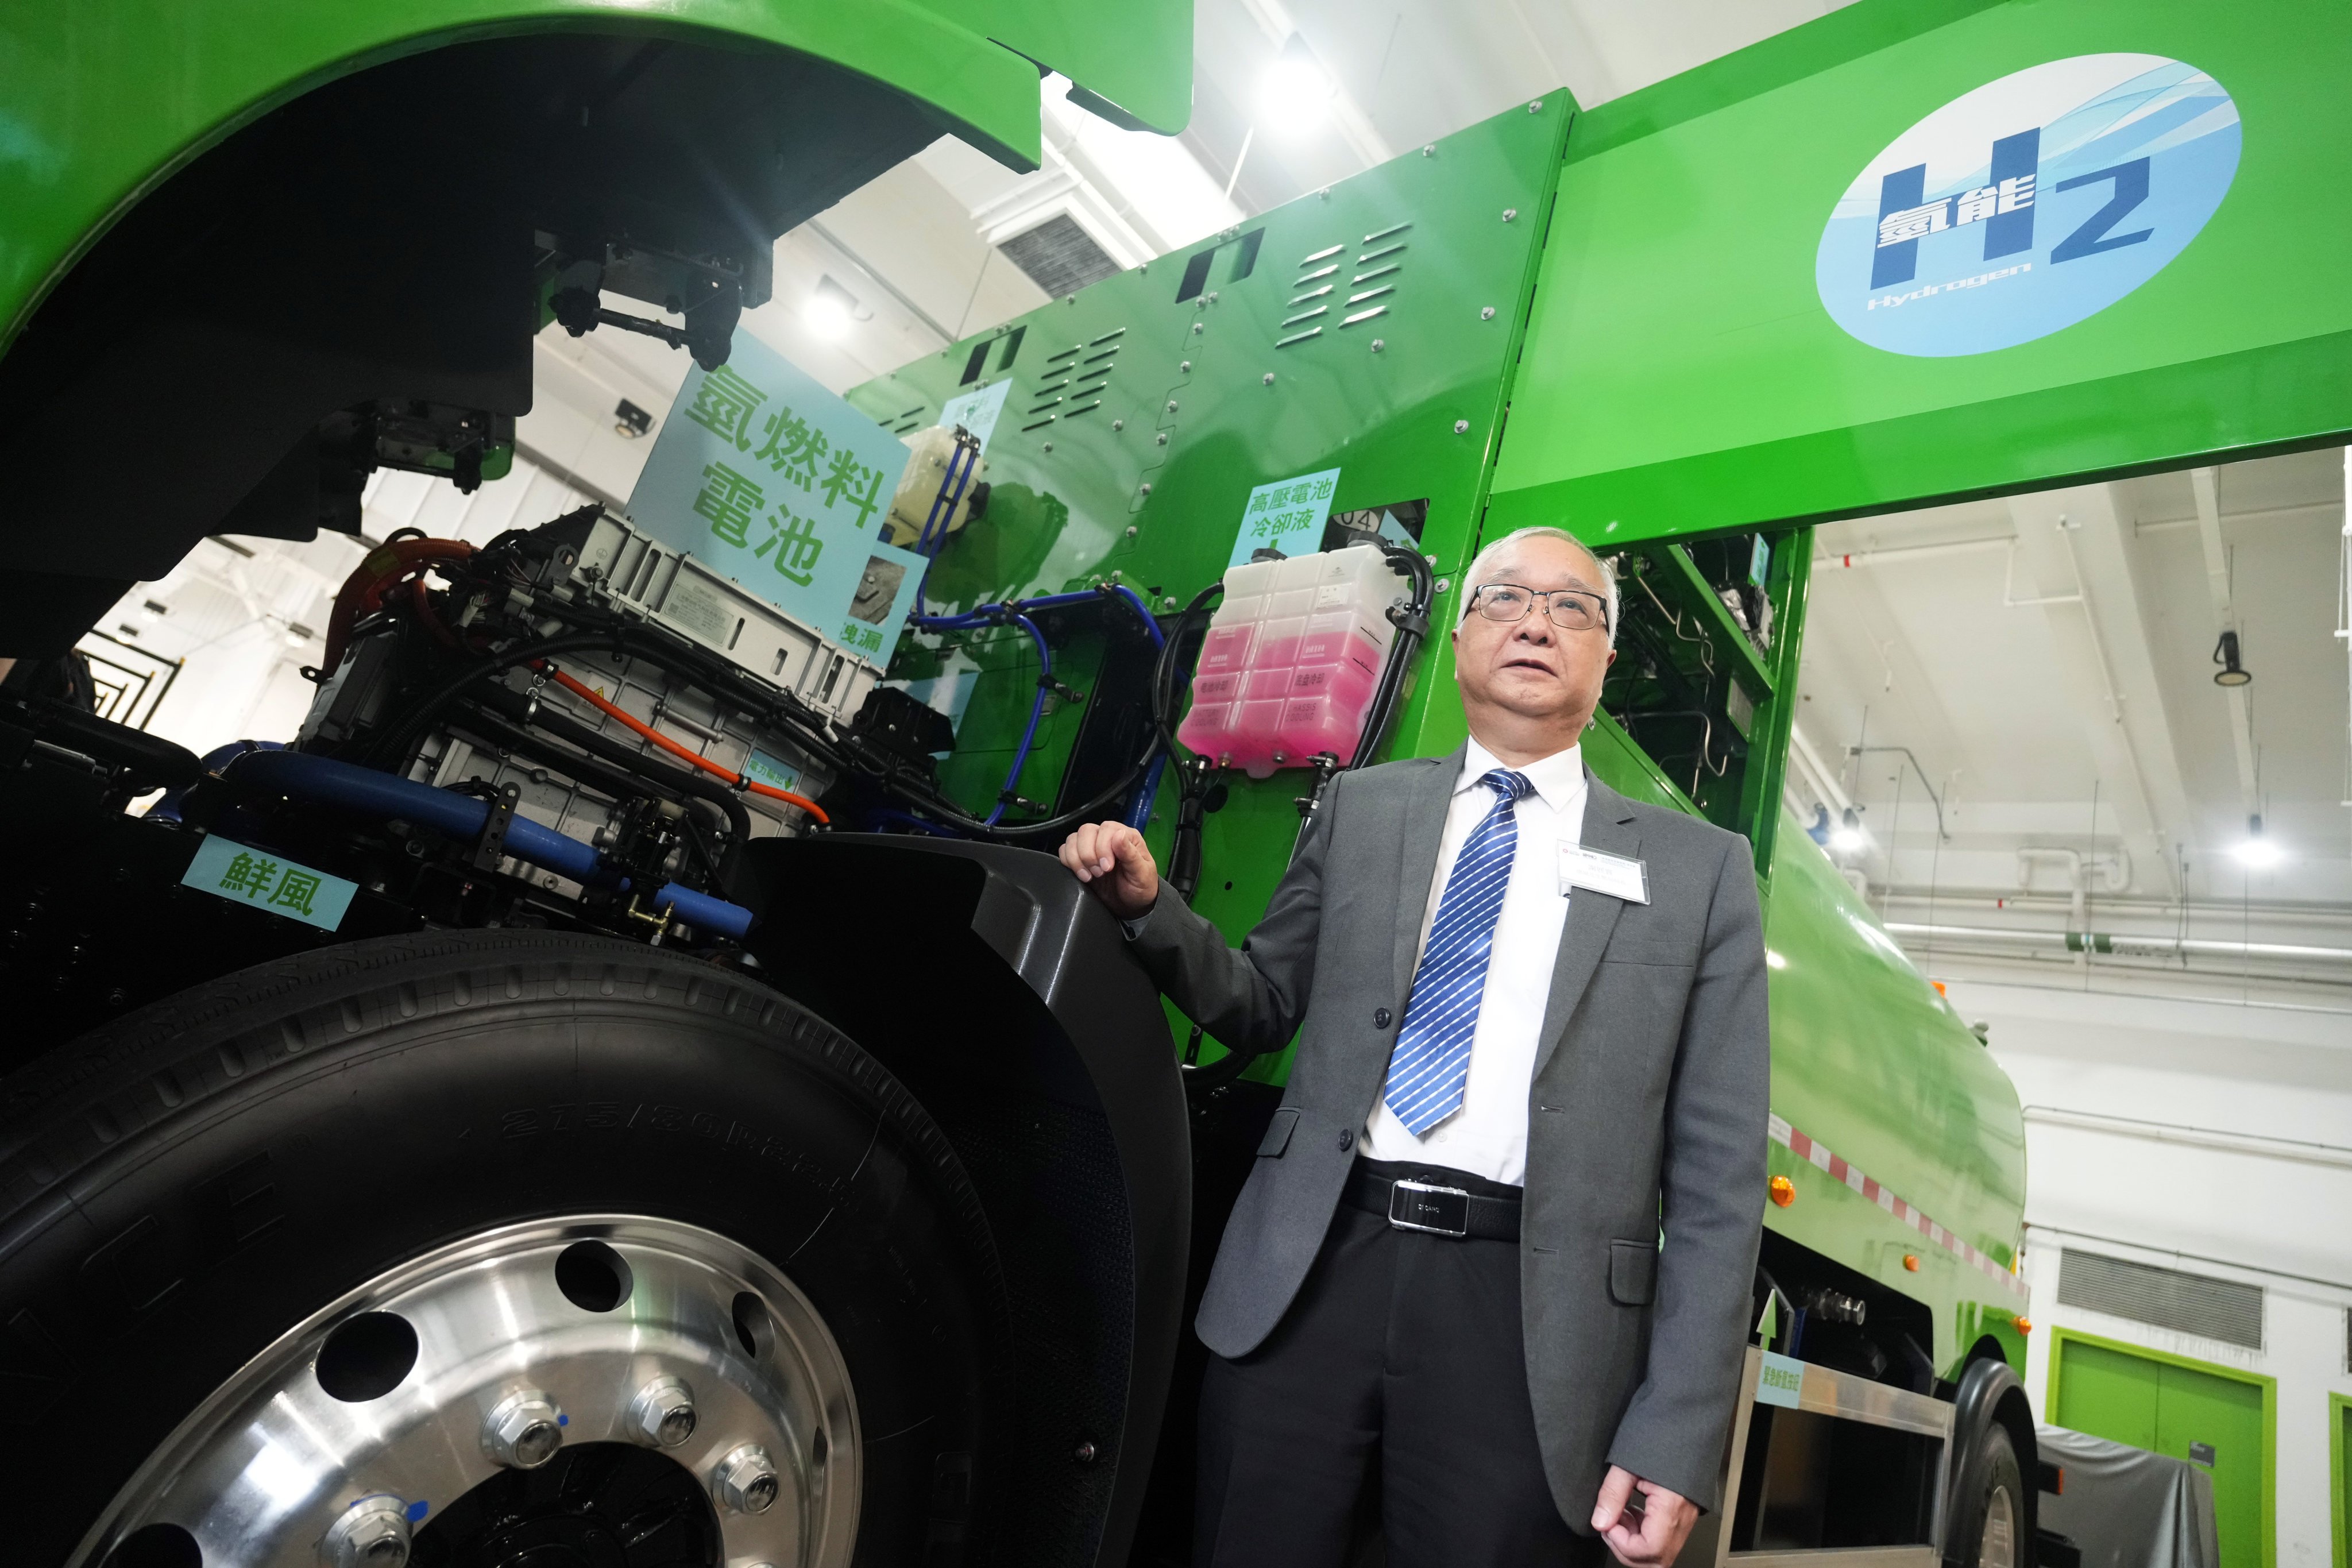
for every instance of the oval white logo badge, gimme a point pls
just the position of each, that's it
(2028, 205)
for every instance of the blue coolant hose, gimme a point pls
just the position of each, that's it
(332, 782)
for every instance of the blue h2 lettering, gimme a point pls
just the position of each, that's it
(2004, 204)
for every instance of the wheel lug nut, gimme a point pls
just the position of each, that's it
(662, 1415)
(747, 1480)
(371, 1533)
(524, 1430)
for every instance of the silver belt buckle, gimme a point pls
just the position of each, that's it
(1422, 1205)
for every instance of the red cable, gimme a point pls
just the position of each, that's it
(593, 699)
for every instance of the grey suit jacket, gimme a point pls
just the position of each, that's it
(1646, 1113)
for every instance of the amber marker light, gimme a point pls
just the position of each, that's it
(1783, 1190)
(1911, 1262)
(2024, 1325)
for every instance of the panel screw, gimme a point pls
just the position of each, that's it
(1186, 367)
(1510, 213)
(1269, 378)
(1324, 194)
(1461, 426)
(1196, 326)
(746, 1480)
(1442, 584)
(662, 1415)
(1430, 151)
(1487, 314)
(1049, 446)
(524, 1430)
(1378, 344)
(1210, 296)
(1147, 490)
(1537, 106)
(1121, 423)
(1163, 438)
(371, 1533)
(1171, 405)
(1131, 530)
(1085, 1452)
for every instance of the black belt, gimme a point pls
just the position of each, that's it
(1426, 1203)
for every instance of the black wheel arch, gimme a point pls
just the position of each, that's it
(1000, 992)
(1991, 1393)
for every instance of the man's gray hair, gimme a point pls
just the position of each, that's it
(1481, 570)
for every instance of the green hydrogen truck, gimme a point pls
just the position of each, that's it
(620, 1083)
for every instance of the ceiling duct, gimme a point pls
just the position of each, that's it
(1059, 256)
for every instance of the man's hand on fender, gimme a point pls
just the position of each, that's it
(1650, 1539)
(1110, 859)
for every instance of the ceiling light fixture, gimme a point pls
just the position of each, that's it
(2257, 853)
(629, 421)
(2225, 654)
(1298, 91)
(1849, 836)
(831, 309)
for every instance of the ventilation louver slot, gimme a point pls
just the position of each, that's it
(1088, 364)
(1378, 259)
(2162, 1298)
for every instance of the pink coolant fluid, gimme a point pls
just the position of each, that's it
(1291, 659)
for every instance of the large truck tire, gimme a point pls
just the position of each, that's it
(402, 1239)
(1989, 1524)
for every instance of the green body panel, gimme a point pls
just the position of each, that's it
(1867, 1058)
(78, 144)
(1681, 276)
(1079, 513)
(2168, 1404)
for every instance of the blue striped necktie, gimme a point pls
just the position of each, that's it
(1431, 1065)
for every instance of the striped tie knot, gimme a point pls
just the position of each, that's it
(1513, 788)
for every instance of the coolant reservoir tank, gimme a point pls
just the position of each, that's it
(1291, 659)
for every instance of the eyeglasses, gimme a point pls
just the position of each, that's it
(1571, 609)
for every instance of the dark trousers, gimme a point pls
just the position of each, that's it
(1400, 1366)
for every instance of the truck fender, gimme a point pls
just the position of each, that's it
(1000, 992)
(1990, 1391)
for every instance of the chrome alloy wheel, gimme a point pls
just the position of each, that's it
(349, 1434)
(1999, 1547)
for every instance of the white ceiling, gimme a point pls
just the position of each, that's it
(2047, 660)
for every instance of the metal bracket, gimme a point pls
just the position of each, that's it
(491, 846)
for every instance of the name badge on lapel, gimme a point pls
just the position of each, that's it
(1603, 873)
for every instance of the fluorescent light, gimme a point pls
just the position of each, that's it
(1848, 835)
(2259, 854)
(1297, 93)
(830, 309)
(826, 317)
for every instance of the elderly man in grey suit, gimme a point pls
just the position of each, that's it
(1500, 1236)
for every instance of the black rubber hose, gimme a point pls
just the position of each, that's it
(937, 805)
(659, 777)
(384, 751)
(1413, 628)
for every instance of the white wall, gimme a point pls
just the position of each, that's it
(2204, 1136)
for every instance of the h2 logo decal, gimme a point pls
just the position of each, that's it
(2063, 155)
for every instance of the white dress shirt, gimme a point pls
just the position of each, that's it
(1488, 1136)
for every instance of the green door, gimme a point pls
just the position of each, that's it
(2339, 1448)
(2168, 1405)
